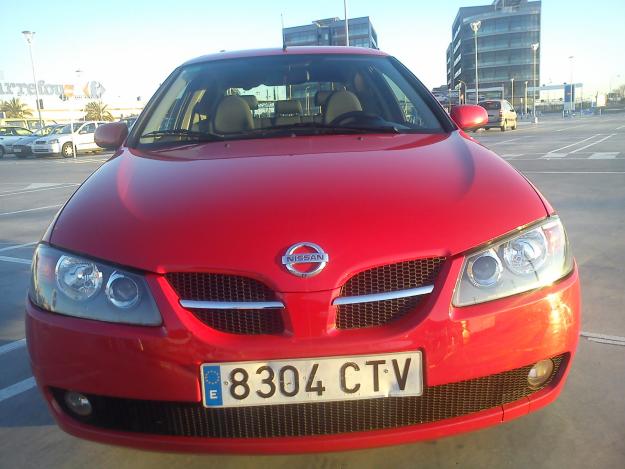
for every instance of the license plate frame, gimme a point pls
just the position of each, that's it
(351, 377)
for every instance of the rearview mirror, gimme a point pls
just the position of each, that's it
(111, 136)
(469, 116)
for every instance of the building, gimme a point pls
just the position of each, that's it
(53, 102)
(331, 32)
(507, 30)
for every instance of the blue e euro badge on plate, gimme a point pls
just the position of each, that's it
(211, 375)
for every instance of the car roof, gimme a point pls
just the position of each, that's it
(298, 50)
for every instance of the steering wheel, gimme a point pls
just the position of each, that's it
(355, 117)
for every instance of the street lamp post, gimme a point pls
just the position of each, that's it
(571, 57)
(460, 83)
(512, 92)
(534, 49)
(28, 35)
(475, 26)
(346, 23)
(525, 100)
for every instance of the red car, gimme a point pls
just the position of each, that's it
(299, 250)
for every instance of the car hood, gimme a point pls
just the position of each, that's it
(366, 200)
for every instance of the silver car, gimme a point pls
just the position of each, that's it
(61, 142)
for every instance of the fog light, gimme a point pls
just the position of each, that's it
(78, 403)
(540, 373)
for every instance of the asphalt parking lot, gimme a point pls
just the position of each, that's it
(579, 164)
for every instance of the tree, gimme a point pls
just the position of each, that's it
(15, 109)
(97, 111)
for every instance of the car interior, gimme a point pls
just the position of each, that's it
(259, 96)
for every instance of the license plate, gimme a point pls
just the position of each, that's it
(238, 384)
(17, 150)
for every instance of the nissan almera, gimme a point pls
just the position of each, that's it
(299, 250)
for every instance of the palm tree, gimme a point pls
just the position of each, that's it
(97, 111)
(15, 109)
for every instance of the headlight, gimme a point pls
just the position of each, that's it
(529, 259)
(73, 285)
(54, 140)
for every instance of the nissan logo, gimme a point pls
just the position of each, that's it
(300, 253)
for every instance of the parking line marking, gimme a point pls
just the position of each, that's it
(30, 209)
(507, 141)
(28, 191)
(573, 144)
(17, 388)
(612, 338)
(17, 246)
(15, 260)
(593, 143)
(568, 128)
(606, 341)
(605, 155)
(620, 127)
(6, 348)
(574, 172)
(554, 155)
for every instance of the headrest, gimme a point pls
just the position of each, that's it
(339, 103)
(321, 97)
(288, 107)
(233, 115)
(251, 101)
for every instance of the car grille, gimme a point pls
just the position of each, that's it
(40, 142)
(315, 418)
(245, 321)
(225, 288)
(387, 278)
(218, 287)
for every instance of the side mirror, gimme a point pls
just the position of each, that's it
(469, 116)
(111, 136)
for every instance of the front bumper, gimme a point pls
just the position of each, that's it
(162, 363)
(22, 150)
(47, 149)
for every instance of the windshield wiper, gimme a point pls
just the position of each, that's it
(192, 134)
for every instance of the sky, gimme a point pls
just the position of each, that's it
(131, 46)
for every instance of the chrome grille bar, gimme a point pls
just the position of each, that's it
(391, 295)
(193, 304)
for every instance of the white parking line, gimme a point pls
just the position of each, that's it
(604, 339)
(573, 172)
(573, 144)
(6, 348)
(568, 128)
(28, 191)
(30, 210)
(17, 388)
(17, 246)
(593, 143)
(507, 141)
(605, 155)
(15, 260)
(620, 127)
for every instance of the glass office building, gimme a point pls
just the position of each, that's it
(508, 28)
(331, 32)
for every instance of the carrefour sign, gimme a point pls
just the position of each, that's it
(91, 89)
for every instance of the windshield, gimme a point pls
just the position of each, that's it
(66, 129)
(263, 97)
(491, 105)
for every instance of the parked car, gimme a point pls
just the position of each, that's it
(8, 136)
(500, 114)
(61, 142)
(313, 278)
(129, 121)
(24, 146)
